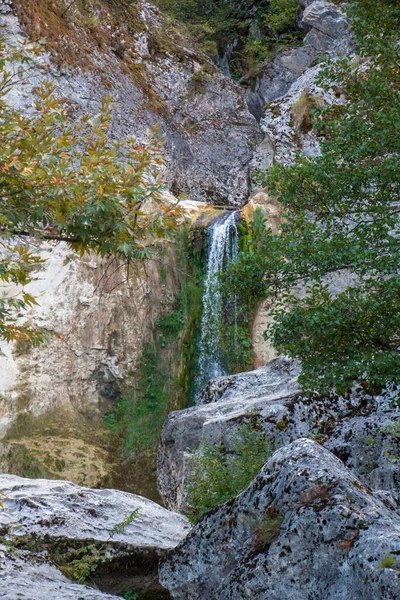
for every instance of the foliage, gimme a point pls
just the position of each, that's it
(342, 216)
(80, 564)
(236, 343)
(170, 324)
(164, 377)
(142, 407)
(128, 595)
(64, 180)
(253, 30)
(218, 474)
(389, 561)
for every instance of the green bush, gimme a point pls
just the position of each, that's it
(217, 475)
(171, 324)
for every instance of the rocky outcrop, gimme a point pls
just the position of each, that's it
(54, 518)
(304, 528)
(155, 75)
(327, 30)
(363, 431)
(222, 407)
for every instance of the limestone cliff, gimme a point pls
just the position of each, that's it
(98, 315)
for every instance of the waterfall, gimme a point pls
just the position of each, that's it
(222, 248)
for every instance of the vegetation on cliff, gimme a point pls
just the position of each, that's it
(246, 32)
(65, 181)
(342, 218)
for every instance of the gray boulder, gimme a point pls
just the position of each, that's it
(304, 528)
(358, 428)
(326, 17)
(52, 518)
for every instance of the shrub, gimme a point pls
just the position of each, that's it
(302, 111)
(218, 474)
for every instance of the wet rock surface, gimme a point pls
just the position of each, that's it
(52, 518)
(329, 537)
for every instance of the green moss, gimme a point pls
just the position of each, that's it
(389, 561)
(22, 462)
(164, 376)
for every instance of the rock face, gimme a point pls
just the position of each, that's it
(57, 517)
(155, 76)
(362, 431)
(102, 320)
(326, 29)
(304, 528)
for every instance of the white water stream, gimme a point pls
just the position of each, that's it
(222, 248)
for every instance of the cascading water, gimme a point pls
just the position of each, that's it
(222, 237)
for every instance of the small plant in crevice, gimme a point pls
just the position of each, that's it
(266, 531)
(389, 561)
(218, 474)
(79, 564)
(129, 595)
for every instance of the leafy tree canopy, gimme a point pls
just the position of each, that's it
(342, 217)
(64, 180)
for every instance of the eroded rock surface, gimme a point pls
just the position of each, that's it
(329, 537)
(361, 430)
(54, 517)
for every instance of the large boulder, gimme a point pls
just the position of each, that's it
(54, 518)
(361, 430)
(327, 18)
(304, 528)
